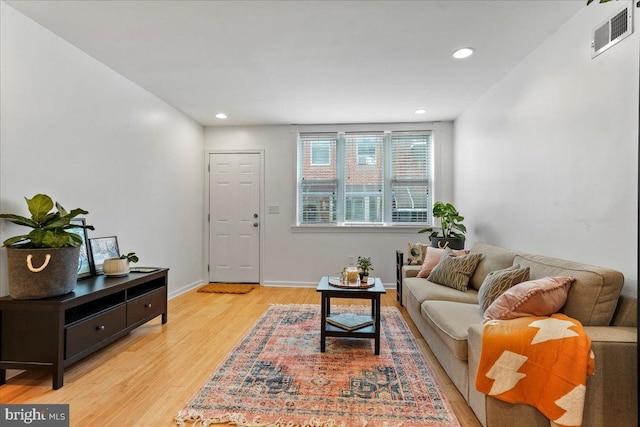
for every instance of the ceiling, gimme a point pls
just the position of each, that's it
(307, 62)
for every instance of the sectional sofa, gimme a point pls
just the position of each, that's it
(451, 323)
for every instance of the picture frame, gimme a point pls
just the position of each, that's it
(85, 262)
(103, 248)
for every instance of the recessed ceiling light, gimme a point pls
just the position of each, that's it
(463, 52)
(221, 116)
(420, 111)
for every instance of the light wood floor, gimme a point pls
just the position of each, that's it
(146, 377)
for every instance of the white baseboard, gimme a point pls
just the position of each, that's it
(186, 288)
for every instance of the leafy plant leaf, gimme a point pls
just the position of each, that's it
(13, 240)
(39, 206)
(20, 220)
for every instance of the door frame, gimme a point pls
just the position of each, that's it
(206, 213)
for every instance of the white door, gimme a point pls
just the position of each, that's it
(234, 222)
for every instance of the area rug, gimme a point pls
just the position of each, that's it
(277, 376)
(226, 288)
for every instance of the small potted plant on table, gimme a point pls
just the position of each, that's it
(364, 266)
(119, 266)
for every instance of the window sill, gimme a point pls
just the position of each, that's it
(357, 228)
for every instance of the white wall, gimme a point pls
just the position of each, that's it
(547, 160)
(293, 256)
(75, 129)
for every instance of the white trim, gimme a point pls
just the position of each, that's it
(357, 228)
(185, 289)
(372, 127)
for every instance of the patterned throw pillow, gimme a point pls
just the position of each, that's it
(540, 297)
(432, 258)
(415, 253)
(454, 271)
(497, 282)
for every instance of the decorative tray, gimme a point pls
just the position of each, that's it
(337, 283)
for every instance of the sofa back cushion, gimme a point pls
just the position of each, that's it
(626, 312)
(494, 258)
(592, 297)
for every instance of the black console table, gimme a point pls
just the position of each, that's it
(55, 332)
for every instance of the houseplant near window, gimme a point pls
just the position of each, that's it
(451, 232)
(44, 262)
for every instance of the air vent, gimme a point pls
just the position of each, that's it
(612, 31)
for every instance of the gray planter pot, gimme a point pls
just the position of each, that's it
(441, 242)
(43, 272)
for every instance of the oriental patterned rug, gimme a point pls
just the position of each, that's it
(277, 376)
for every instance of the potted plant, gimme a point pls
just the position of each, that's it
(44, 262)
(119, 266)
(364, 266)
(452, 230)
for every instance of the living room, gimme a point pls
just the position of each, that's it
(544, 161)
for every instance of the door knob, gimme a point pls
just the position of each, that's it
(255, 224)
(255, 215)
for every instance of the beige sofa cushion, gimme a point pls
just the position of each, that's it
(494, 258)
(592, 298)
(451, 320)
(423, 290)
(626, 312)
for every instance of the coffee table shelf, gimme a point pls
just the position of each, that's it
(371, 331)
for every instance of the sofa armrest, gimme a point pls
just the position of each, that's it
(410, 271)
(612, 392)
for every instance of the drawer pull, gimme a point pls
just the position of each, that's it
(100, 328)
(148, 305)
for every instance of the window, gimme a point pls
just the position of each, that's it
(410, 177)
(320, 153)
(367, 151)
(317, 185)
(364, 177)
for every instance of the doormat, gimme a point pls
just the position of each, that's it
(277, 376)
(227, 288)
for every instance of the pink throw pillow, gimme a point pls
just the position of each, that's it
(540, 297)
(432, 258)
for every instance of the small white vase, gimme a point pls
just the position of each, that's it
(115, 267)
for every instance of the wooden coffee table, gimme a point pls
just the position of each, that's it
(329, 330)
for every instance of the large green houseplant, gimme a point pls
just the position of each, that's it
(451, 231)
(44, 262)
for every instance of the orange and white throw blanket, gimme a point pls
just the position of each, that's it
(541, 361)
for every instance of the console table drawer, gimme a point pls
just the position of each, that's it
(93, 330)
(146, 306)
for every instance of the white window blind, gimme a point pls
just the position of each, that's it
(411, 177)
(365, 177)
(363, 180)
(320, 153)
(318, 183)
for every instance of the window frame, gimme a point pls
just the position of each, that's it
(384, 157)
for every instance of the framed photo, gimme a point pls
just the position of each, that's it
(103, 248)
(85, 264)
